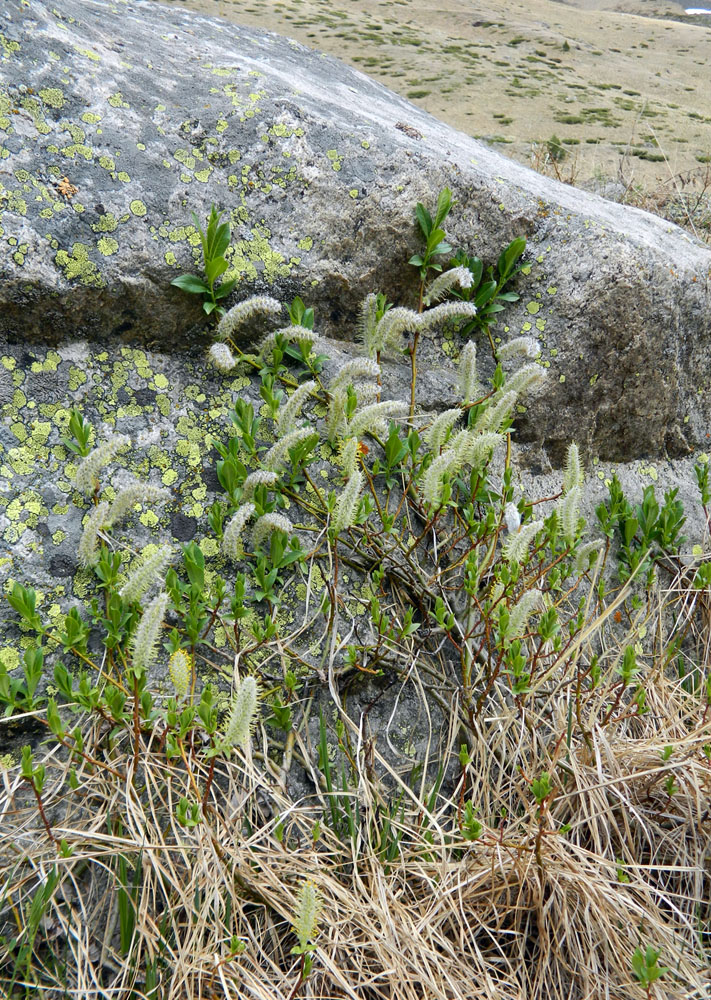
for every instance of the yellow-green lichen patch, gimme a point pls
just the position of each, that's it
(107, 246)
(116, 100)
(88, 53)
(15, 202)
(9, 657)
(51, 362)
(336, 160)
(24, 513)
(9, 46)
(78, 149)
(185, 157)
(190, 451)
(77, 378)
(52, 97)
(107, 223)
(78, 266)
(19, 254)
(649, 470)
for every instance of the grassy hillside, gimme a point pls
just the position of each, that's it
(624, 89)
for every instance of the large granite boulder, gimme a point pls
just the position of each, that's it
(120, 118)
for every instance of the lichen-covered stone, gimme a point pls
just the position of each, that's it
(117, 119)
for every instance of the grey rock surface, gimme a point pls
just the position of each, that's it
(118, 119)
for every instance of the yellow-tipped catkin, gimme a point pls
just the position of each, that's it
(180, 668)
(306, 917)
(145, 638)
(242, 714)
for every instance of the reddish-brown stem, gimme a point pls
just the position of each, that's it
(300, 981)
(40, 807)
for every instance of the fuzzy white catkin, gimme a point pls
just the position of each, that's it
(574, 474)
(221, 357)
(432, 481)
(437, 432)
(262, 477)
(87, 473)
(145, 639)
(443, 284)
(232, 537)
(278, 454)
(144, 572)
(242, 714)
(353, 371)
(129, 496)
(531, 601)
(369, 321)
(289, 413)
(515, 549)
(446, 311)
(525, 379)
(527, 347)
(243, 312)
(568, 509)
(582, 559)
(349, 455)
(267, 524)
(475, 449)
(347, 504)
(388, 331)
(497, 412)
(291, 334)
(88, 551)
(335, 418)
(512, 518)
(468, 386)
(372, 419)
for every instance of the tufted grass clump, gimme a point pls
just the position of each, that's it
(211, 808)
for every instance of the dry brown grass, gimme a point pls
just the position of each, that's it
(548, 903)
